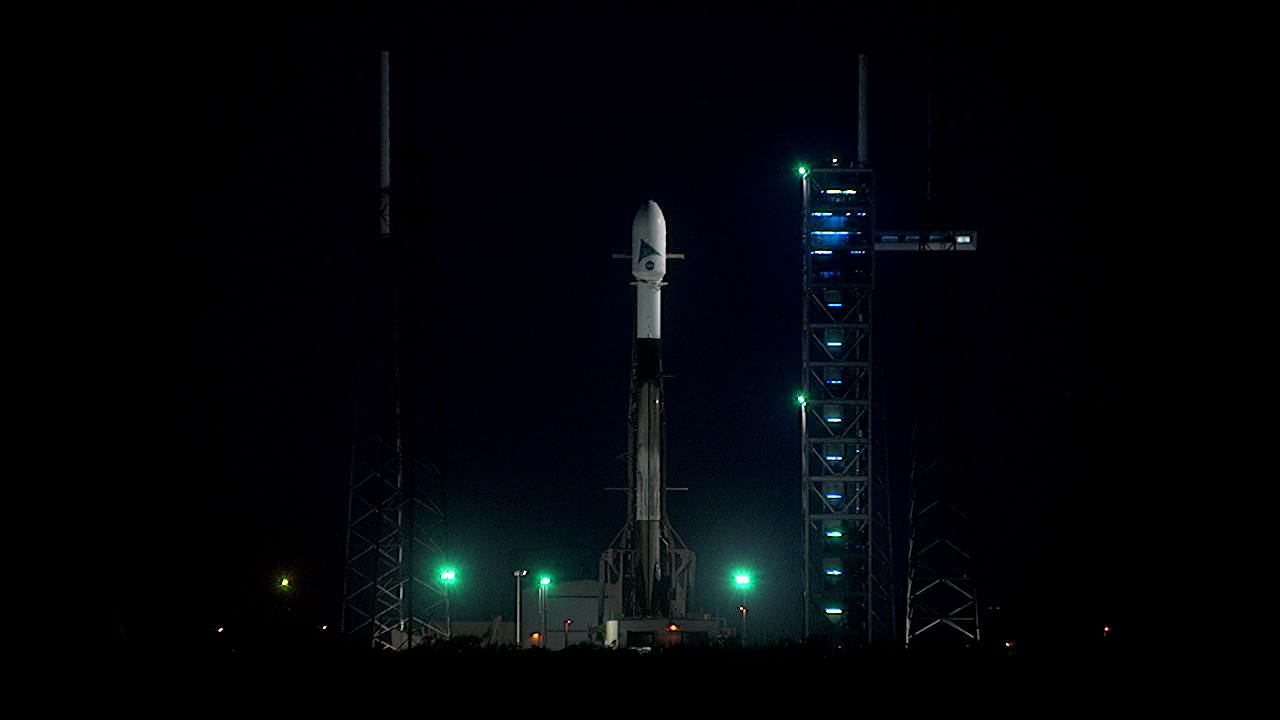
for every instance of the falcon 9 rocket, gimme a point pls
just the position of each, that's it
(651, 569)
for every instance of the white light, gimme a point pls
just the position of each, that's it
(834, 572)
(834, 533)
(963, 239)
(835, 419)
(841, 192)
(820, 252)
(834, 343)
(833, 611)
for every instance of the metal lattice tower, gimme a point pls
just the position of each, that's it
(395, 530)
(941, 592)
(838, 494)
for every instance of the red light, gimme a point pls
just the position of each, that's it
(1008, 644)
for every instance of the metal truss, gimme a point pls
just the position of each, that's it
(396, 519)
(941, 591)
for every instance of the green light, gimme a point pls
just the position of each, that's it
(801, 400)
(742, 579)
(448, 576)
(802, 171)
(544, 581)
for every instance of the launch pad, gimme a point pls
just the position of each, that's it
(658, 633)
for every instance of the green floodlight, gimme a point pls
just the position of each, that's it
(802, 400)
(544, 580)
(802, 171)
(742, 580)
(449, 575)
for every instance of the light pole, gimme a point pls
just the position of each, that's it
(518, 574)
(743, 581)
(543, 583)
(567, 623)
(448, 577)
(804, 514)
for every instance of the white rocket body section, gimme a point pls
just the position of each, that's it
(648, 267)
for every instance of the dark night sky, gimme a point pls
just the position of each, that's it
(547, 128)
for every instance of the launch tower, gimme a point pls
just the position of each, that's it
(835, 405)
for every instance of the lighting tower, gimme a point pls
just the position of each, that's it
(395, 528)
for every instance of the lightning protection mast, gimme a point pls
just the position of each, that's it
(941, 593)
(393, 598)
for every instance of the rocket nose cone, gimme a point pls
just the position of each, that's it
(648, 214)
(649, 223)
(650, 209)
